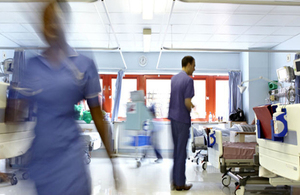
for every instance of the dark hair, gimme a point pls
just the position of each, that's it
(186, 60)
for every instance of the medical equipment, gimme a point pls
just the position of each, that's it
(199, 147)
(15, 138)
(278, 137)
(8, 66)
(138, 121)
(297, 67)
(285, 74)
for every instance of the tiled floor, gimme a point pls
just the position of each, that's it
(150, 179)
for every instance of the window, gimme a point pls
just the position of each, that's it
(158, 93)
(128, 85)
(222, 95)
(199, 99)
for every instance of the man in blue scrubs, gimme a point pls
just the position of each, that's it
(182, 92)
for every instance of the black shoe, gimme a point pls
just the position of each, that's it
(185, 187)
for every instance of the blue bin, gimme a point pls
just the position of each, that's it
(142, 140)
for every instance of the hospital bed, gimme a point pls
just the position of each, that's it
(236, 160)
(278, 137)
(199, 139)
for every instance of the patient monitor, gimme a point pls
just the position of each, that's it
(285, 74)
(297, 67)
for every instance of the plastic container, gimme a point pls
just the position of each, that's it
(210, 117)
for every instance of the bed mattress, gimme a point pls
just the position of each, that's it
(239, 150)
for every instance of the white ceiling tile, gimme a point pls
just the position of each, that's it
(82, 7)
(21, 36)
(254, 9)
(162, 6)
(287, 31)
(28, 17)
(114, 6)
(177, 29)
(5, 42)
(75, 37)
(182, 18)
(232, 29)
(88, 28)
(219, 7)
(275, 39)
(33, 28)
(197, 37)
(135, 6)
(174, 37)
(223, 38)
(286, 10)
(125, 37)
(250, 38)
(263, 45)
(186, 7)
(295, 22)
(261, 30)
(203, 29)
(7, 17)
(7, 28)
(38, 6)
(15, 7)
(96, 36)
(239, 19)
(211, 18)
(85, 18)
(276, 20)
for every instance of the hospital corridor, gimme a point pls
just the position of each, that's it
(149, 97)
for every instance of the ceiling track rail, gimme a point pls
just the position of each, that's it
(76, 48)
(162, 44)
(249, 2)
(230, 50)
(110, 24)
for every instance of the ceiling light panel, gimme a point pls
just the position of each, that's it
(148, 9)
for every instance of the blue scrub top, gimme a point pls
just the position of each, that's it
(182, 87)
(57, 164)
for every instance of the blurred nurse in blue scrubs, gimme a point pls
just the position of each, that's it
(58, 79)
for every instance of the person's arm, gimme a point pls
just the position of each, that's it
(97, 116)
(188, 104)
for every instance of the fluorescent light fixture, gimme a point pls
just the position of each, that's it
(147, 39)
(148, 8)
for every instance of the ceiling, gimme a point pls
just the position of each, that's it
(191, 25)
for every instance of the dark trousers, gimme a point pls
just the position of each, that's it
(180, 134)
